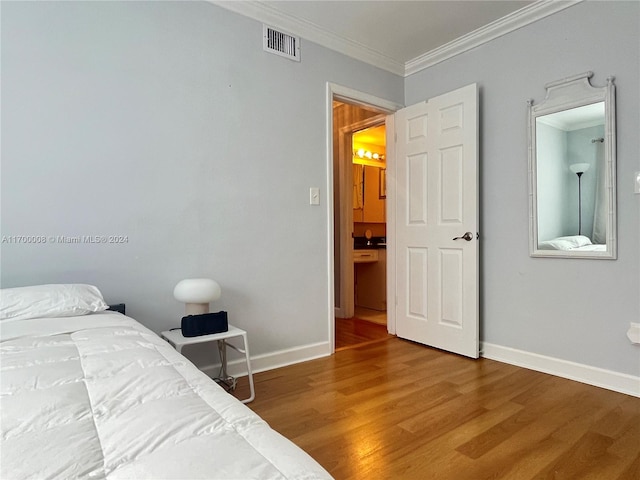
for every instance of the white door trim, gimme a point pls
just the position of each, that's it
(350, 95)
(392, 293)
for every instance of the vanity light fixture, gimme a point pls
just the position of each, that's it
(367, 157)
(579, 169)
(362, 153)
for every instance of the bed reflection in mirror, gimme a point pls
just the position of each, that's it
(572, 187)
(572, 202)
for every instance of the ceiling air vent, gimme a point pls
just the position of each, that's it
(281, 43)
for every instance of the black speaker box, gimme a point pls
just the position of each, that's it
(205, 324)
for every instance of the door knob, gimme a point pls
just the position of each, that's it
(467, 236)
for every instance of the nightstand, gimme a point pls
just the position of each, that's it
(177, 340)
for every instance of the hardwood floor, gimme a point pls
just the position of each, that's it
(397, 410)
(355, 331)
(375, 316)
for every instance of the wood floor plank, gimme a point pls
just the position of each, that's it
(623, 415)
(586, 459)
(632, 472)
(356, 331)
(515, 460)
(398, 410)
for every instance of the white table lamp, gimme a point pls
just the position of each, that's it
(196, 293)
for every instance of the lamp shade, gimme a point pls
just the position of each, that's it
(196, 293)
(579, 167)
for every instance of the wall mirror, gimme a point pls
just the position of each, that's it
(572, 170)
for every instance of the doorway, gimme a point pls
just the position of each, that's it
(340, 238)
(359, 224)
(448, 146)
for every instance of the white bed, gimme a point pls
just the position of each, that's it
(100, 396)
(573, 243)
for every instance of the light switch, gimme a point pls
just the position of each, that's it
(314, 196)
(636, 184)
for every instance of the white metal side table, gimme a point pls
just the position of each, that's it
(177, 340)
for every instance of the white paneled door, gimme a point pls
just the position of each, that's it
(436, 217)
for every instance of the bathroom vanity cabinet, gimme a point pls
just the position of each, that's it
(370, 280)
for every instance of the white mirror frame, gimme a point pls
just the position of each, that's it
(565, 94)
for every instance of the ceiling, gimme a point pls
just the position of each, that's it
(576, 118)
(371, 136)
(399, 36)
(401, 30)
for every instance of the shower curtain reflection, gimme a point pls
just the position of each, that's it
(600, 208)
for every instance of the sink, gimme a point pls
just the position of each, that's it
(362, 243)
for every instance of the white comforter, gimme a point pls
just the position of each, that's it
(102, 397)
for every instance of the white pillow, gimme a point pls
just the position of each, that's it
(58, 300)
(565, 243)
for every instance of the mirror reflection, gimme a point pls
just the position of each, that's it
(572, 202)
(572, 165)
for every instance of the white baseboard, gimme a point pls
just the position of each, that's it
(599, 377)
(270, 361)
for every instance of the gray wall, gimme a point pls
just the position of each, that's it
(167, 123)
(578, 310)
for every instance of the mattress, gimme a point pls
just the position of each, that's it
(100, 396)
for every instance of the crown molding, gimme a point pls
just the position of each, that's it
(266, 13)
(518, 19)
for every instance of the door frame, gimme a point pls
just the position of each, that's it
(349, 95)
